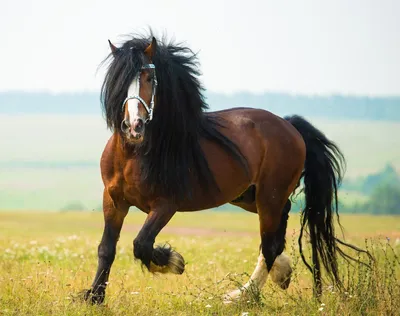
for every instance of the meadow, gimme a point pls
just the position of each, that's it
(46, 258)
(50, 161)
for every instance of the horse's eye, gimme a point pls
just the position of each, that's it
(150, 78)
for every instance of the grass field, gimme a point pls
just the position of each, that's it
(53, 160)
(52, 139)
(47, 258)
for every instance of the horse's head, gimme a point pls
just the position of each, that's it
(130, 94)
(138, 105)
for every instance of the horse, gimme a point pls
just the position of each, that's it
(168, 153)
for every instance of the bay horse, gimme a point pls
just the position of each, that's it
(167, 154)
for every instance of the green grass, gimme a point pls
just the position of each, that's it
(47, 258)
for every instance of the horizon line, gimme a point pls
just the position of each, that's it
(207, 91)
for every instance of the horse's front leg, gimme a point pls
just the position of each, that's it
(113, 219)
(160, 259)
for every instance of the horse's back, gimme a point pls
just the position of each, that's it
(261, 136)
(270, 128)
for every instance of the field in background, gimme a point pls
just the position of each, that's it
(47, 258)
(52, 161)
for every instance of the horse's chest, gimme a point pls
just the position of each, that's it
(131, 187)
(131, 173)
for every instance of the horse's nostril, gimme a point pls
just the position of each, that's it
(138, 125)
(124, 125)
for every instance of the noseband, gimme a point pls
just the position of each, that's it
(149, 109)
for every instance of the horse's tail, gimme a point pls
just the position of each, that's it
(323, 172)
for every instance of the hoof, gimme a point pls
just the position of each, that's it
(174, 262)
(91, 297)
(285, 284)
(245, 293)
(281, 271)
(233, 296)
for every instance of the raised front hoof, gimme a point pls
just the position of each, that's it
(166, 260)
(95, 298)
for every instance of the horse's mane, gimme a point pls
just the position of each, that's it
(170, 155)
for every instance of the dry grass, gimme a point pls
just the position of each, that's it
(47, 258)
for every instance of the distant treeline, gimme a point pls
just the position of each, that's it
(334, 107)
(48, 164)
(383, 189)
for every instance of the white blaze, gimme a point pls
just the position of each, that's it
(133, 104)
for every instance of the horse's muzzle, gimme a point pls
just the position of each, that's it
(134, 130)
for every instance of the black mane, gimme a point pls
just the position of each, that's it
(170, 154)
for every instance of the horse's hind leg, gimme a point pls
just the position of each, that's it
(273, 208)
(281, 269)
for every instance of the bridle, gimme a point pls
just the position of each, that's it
(149, 109)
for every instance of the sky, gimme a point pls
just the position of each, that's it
(299, 47)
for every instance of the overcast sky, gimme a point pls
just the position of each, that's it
(307, 47)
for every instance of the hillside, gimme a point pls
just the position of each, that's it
(332, 107)
(51, 144)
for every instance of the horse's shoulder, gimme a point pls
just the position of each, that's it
(109, 162)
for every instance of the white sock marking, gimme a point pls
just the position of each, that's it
(280, 271)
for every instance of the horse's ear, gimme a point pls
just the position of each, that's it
(112, 47)
(150, 51)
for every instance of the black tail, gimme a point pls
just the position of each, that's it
(323, 172)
